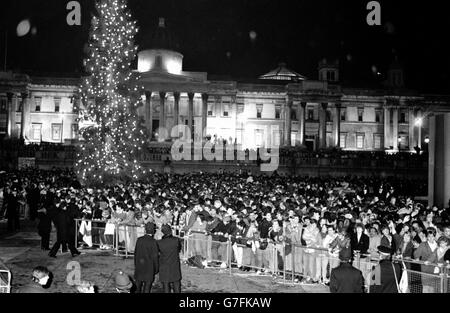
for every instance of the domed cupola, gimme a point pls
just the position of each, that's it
(161, 55)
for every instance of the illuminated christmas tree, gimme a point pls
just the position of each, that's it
(109, 151)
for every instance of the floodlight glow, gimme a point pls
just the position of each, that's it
(419, 122)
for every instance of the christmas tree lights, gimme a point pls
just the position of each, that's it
(111, 145)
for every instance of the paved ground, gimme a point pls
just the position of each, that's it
(20, 252)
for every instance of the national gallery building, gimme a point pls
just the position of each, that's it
(281, 107)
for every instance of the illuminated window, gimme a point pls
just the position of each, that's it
(343, 140)
(36, 131)
(259, 137)
(276, 138)
(56, 132)
(377, 138)
(360, 141)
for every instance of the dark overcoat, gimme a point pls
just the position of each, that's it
(146, 264)
(386, 281)
(346, 279)
(169, 259)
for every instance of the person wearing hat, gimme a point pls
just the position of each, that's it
(346, 278)
(12, 210)
(387, 274)
(146, 263)
(169, 261)
(123, 283)
(40, 279)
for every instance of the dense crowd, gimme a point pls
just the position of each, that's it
(256, 213)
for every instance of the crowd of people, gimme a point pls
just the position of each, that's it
(256, 214)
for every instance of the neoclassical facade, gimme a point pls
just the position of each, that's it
(281, 107)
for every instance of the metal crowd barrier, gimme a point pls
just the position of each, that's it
(284, 261)
(288, 262)
(5, 279)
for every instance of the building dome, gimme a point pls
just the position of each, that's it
(163, 38)
(162, 55)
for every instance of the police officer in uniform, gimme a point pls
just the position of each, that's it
(383, 276)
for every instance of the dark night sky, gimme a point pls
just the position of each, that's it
(299, 33)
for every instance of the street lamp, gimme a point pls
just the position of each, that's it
(427, 140)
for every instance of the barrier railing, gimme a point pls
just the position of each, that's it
(5, 279)
(286, 262)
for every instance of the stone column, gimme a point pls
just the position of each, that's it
(387, 127)
(395, 129)
(25, 116)
(337, 125)
(205, 97)
(411, 126)
(162, 109)
(323, 125)
(439, 160)
(149, 112)
(301, 123)
(288, 122)
(11, 121)
(419, 128)
(191, 113)
(234, 117)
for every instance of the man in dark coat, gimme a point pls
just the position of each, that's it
(383, 277)
(33, 197)
(345, 278)
(169, 261)
(12, 211)
(45, 222)
(360, 241)
(63, 227)
(146, 264)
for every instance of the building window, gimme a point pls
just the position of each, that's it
(56, 132)
(360, 114)
(19, 129)
(310, 114)
(259, 137)
(360, 141)
(37, 104)
(377, 141)
(343, 114)
(331, 76)
(259, 108)
(36, 131)
(276, 142)
(211, 109)
(277, 113)
(343, 141)
(293, 115)
(328, 116)
(57, 104)
(239, 136)
(378, 116)
(402, 117)
(226, 110)
(3, 105)
(74, 131)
